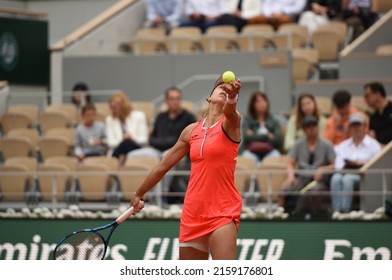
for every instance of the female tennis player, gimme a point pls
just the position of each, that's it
(212, 205)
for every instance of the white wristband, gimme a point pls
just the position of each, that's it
(232, 101)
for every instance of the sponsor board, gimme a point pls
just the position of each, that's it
(157, 240)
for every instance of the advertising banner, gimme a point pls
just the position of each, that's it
(257, 240)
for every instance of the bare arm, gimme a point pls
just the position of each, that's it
(179, 150)
(290, 172)
(318, 176)
(232, 122)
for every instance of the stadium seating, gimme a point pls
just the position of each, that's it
(52, 119)
(93, 181)
(53, 186)
(16, 146)
(12, 120)
(31, 109)
(129, 182)
(184, 40)
(51, 146)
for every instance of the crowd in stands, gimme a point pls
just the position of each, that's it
(360, 14)
(313, 142)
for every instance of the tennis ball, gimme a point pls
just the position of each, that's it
(228, 77)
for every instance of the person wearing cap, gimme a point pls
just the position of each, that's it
(381, 119)
(212, 206)
(352, 153)
(314, 155)
(337, 129)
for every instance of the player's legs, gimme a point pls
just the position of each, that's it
(196, 249)
(190, 253)
(223, 242)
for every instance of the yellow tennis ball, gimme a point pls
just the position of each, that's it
(228, 77)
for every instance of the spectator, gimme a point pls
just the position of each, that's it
(319, 12)
(90, 137)
(381, 118)
(359, 14)
(204, 13)
(351, 154)
(314, 154)
(169, 124)
(126, 129)
(336, 129)
(167, 129)
(261, 132)
(278, 12)
(306, 106)
(80, 95)
(241, 11)
(164, 13)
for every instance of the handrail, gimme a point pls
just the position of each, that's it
(347, 50)
(13, 11)
(92, 24)
(386, 149)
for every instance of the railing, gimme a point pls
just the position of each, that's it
(92, 24)
(23, 13)
(158, 195)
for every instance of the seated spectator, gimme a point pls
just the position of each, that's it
(337, 128)
(359, 14)
(319, 12)
(314, 154)
(351, 154)
(204, 13)
(381, 118)
(80, 95)
(261, 132)
(167, 129)
(90, 135)
(306, 106)
(241, 11)
(126, 129)
(164, 13)
(169, 124)
(278, 12)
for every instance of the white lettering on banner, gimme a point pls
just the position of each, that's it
(163, 244)
(42, 251)
(157, 248)
(274, 251)
(332, 252)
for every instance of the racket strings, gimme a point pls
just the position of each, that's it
(84, 245)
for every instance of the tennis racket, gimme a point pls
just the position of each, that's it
(88, 244)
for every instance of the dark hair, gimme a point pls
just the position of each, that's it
(341, 98)
(172, 89)
(252, 101)
(376, 87)
(300, 114)
(81, 86)
(88, 107)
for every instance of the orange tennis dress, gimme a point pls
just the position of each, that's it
(211, 200)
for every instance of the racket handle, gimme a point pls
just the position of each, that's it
(124, 216)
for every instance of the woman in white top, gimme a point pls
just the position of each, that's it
(126, 129)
